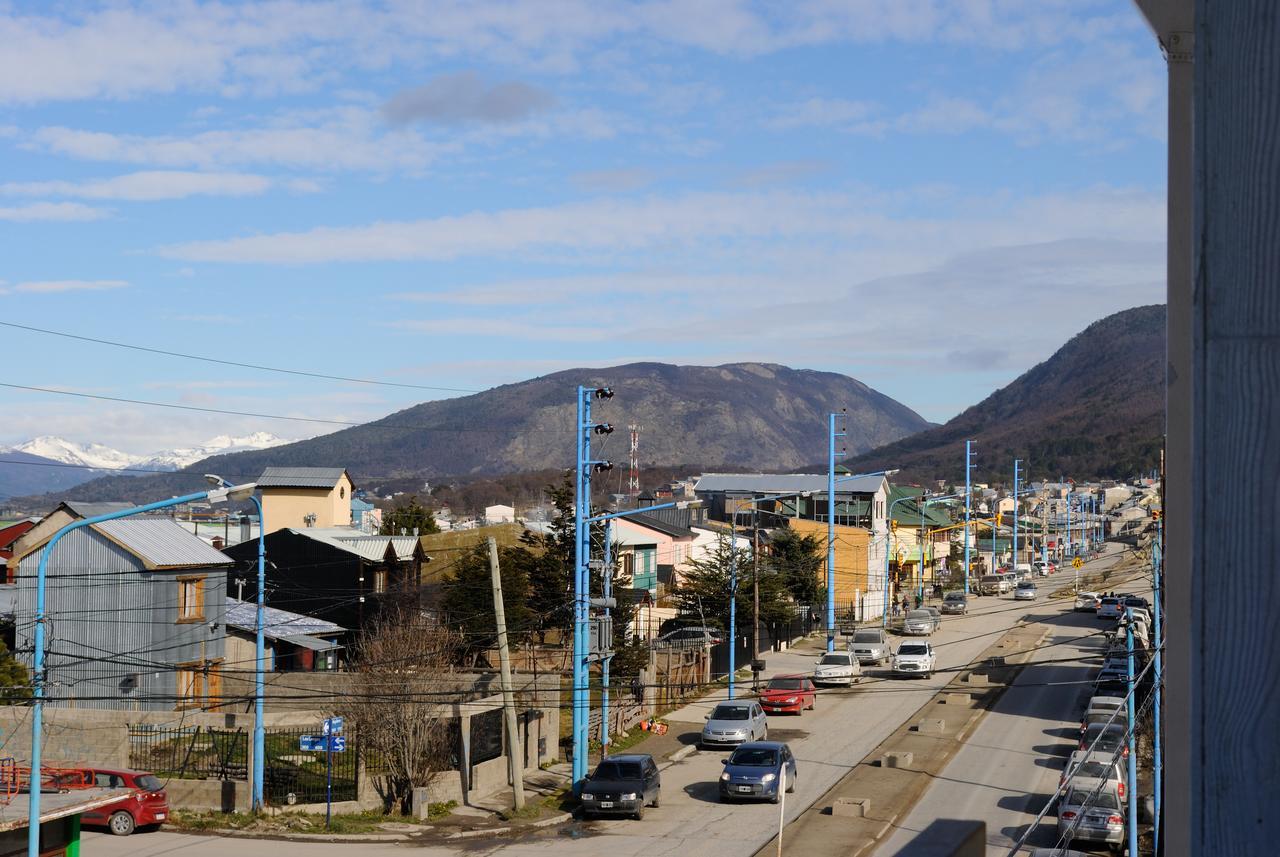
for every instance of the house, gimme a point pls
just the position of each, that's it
(40, 532)
(909, 520)
(859, 585)
(334, 573)
(299, 497)
(651, 547)
(9, 534)
(499, 514)
(861, 501)
(137, 606)
(365, 517)
(293, 642)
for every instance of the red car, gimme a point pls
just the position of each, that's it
(788, 693)
(148, 806)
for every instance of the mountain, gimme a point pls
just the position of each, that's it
(748, 415)
(1094, 409)
(48, 463)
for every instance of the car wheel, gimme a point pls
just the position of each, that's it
(928, 675)
(764, 736)
(813, 706)
(639, 814)
(791, 785)
(776, 797)
(121, 823)
(656, 799)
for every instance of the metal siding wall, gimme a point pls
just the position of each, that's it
(110, 619)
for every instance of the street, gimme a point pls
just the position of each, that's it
(828, 742)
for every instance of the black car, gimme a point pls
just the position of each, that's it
(622, 785)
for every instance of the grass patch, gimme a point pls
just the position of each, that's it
(370, 821)
(531, 809)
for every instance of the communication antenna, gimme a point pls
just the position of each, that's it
(633, 481)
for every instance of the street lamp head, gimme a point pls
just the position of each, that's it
(232, 493)
(215, 480)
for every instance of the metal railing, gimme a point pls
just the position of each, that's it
(190, 752)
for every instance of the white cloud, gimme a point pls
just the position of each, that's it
(53, 286)
(822, 112)
(51, 211)
(465, 97)
(153, 185)
(613, 181)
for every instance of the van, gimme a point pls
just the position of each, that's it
(1023, 571)
(995, 584)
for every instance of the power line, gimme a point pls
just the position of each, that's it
(222, 362)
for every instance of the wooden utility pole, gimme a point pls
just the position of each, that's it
(514, 767)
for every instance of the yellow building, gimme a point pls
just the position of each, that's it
(853, 549)
(301, 497)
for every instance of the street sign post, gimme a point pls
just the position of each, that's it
(331, 725)
(332, 742)
(1077, 564)
(311, 742)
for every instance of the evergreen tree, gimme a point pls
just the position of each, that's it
(467, 599)
(704, 590)
(407, 518)
(799, 560)
(15, 683)
(551, 574)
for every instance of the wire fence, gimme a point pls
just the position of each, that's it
(190, 753)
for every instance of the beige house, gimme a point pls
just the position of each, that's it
(301, 497)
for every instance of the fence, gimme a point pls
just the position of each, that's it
(293, 775)
(191, 752)
(772, 637)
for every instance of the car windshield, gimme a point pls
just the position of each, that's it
(919, 614)
(730, 712)
(1110, 600)
(1104, 799)
(1094, 770)
(1026, 585)
(954, 596)
(913, 649)
(835, 660)
(866, 637)
(754, 757)
(785, 684)
(618, 771)
(149, 783)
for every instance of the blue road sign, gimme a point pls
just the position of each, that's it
(331, 725)
(339, 743)
(310, 742)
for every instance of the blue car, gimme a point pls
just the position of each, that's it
(755, 772)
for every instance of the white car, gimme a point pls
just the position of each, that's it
(870, 646)
(1109, 607)
(918, 622)
(914, 659)
(1025, 591)
(837, 668)
(1087, 601)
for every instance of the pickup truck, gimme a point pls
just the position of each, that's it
(870, 646)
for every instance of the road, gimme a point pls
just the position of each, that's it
(1010, 764)
(828, 742)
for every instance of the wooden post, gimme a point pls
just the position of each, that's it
(514, 768)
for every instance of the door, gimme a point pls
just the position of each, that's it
(760, 721)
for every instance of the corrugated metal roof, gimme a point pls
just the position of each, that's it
(784, 483)
(92, 510)
(275, 622)
(301, 477)
(370, 547)
(315, 644)
(161, 543)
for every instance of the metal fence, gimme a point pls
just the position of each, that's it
(294, 776)
(772, 636)
(190, 752)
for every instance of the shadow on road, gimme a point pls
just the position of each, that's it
(705, 792)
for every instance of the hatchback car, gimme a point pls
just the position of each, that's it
(757, 771)
(1086, 601)
(733, 723)
(1025, 591)
(936, 614)
(914, 659)
(955, 602)
(1089, 812)
(918, 622)
(837, 668)
(788, 693)
(147, 807)
(1109, 607)
(870, 646)
(622, 785)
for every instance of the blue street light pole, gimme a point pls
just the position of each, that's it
(38, 678)
(607, 590)
(733, 599)
(832, 434)
(968, 509)
(582, 505)
(1067, 551)
(1131, 717)
(1157, 762)
(1017, 463)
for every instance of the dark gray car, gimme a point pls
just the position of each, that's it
(622, 785)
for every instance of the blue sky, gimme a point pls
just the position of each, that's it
(928, 195)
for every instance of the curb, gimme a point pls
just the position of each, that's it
(683, 753)
(555, 819)
(304, 837)
(473, 834)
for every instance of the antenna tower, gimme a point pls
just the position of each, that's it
(633, 481)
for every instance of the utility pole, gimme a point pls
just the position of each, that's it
(1017, 463)
(968, 509)
(755, 597)
(733, 600)
(514, 767)
(1132, 716)
(832, 434)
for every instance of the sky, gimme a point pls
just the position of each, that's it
(929, 195)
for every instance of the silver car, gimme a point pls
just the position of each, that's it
(955, 602)
(734, 723)
(870, 646)
(918, 622)
(837, 668)
(1091, 812)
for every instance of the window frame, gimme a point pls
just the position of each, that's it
(196, 684)
(184, 616)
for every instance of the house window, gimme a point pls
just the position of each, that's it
(190, 599)
(190, 685)
(380, 580)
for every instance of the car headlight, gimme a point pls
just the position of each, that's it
(629, 796)
(588, 796)
(790, 700)
(768, 778)
(724, 778)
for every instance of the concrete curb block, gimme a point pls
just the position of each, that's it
(554, 820)
(683, 753)
(472, 834)
(306, 837)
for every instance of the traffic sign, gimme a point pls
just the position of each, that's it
(1077, 563)
(310, 742)
(331, 726)
(339, 743)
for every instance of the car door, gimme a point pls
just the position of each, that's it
(758, 726)
(653, 781)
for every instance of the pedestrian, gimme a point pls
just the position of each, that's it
(919, 600)
(906, 605)
(637, 690)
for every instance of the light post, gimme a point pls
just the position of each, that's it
(925, 501)
(832, 434)
(38, 678)
(259, 656)
(884, 618)
(968, 509)
(1017, 463)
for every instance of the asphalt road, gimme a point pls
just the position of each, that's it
(1010, 765)
(828, 742)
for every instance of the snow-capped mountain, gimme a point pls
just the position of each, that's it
(101, 457)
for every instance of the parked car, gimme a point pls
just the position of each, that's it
(1109, 739)
(689, 637)
(1025, 591)
(936, 614)
(1095, 766)
(914, 659)
(1137, 602)
(1104, 704)
(994, 584)
(788, 693)
(1023, 571)
(1109, 607)
(871, 646)
(837, 668)
(147, 807)
(1087, 601)
(732, 723)
(622, 785)
(955, 602)
(918, 622)
(756, 771)
(1088, 812)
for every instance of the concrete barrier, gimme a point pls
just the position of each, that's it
(897, 759)
(931, 727)
(851, 807)
(956, 699)
(977, 680)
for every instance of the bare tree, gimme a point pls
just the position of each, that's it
(401, 702)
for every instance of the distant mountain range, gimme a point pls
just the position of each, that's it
(50, 463)
(1093, 409)
(748, 415)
